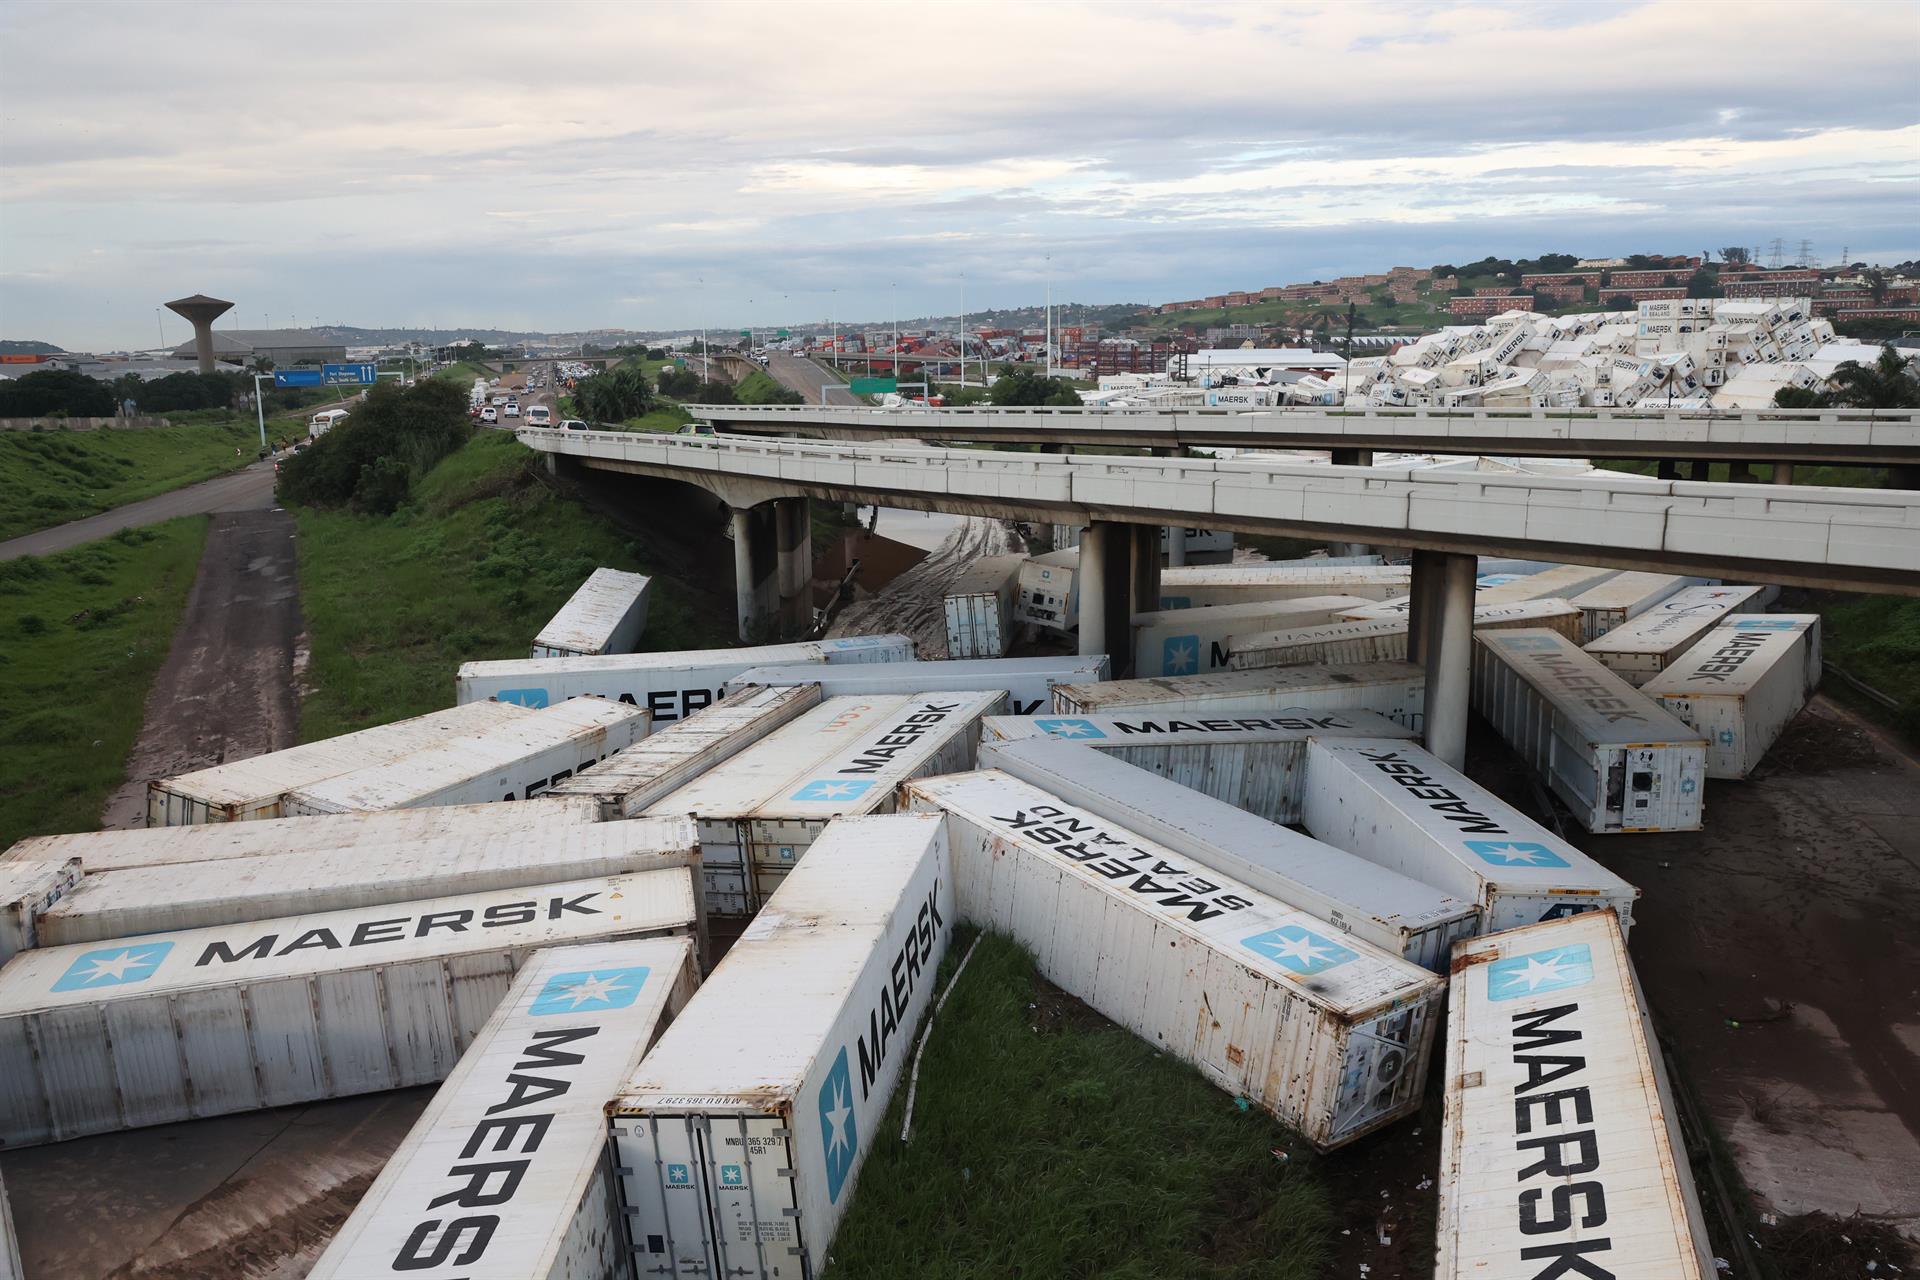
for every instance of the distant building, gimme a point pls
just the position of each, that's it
(282, 346)
(1480, 307)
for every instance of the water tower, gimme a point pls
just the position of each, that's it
(201, 311)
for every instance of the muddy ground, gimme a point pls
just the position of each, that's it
(912, 603)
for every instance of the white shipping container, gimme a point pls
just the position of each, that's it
(1563, 581)
(27, 888)
(1641, 648)
(758, 813)
(1398, 805)
(1623, 597)
(979, 608)
(1252, 762)
(669, 685)
(1382, 639)
(1395, 912)
(1046, 596)
(207, 1022)
(606, 615)
(533, 1086)
(1027, 682)
(739, 1140)
(1550, 612)
(1192, 586)
(1616, 759)
(211, 842)
(514, 761)
(1185, 642)
(251, 788)
(1741, 685)
(1561, 1150)
(1397, 690)
(1331, 1036)
(626, 782)
(200, 895)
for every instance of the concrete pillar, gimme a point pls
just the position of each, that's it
(1783, 473)
(1449, 660)
(756, 571)
(793, 527)
(1903, 477)
(1176, 546)
(1353, 457)
(744, 597)
(1144, 596)
(1090, 582)
(1424, 597)
(1667, 469)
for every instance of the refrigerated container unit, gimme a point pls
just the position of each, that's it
(1554, 614)
(514, 761)
(1027, 682)
(671, 686)
(1397, 805)
(1185, 642)
(533, 1086)
(1382, 639)
(626, 782)
(1252, 762)
(27, 888)
(1624, 597)
(1741, 685)
(758, 813)
(1562, 582)
(738, 1142)
(1395, 912)
(1561, 1149)
(203, 895)
(205, 1022)
(1614, 757)
(1640, 649)
(1046, 594)
(979, 608)
(249, 789)
(1396, 690)
(1193, 586)
(606, 615)
(212, 842)
(1326, 1032)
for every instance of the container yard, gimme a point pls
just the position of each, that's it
(607, 614)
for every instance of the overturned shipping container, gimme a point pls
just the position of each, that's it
(1185, 642)
(738, 1141)
(1561, 1152)
(532, 1087)
(1616, 759)
(1562, 582)
(1196, 585)
(1742, 685)
(1027, 682)
(606, 615)
(1641, 648)
(1326, 1032)
(1624, 597)
(206, 1022)
(1383, 639)
(28, 886)
(1396, 690)
(979, 608)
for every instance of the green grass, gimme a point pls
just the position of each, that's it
(1876, 639)
(666, 416)
(1049, 1143)
(56, 476)
(470, 569)
(81, 635)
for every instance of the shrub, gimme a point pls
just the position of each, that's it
(370, 459)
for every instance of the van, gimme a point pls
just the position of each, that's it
(539, 415)
(321, 423)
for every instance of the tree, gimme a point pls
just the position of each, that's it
(1885, 384)
(371, 459)
(1734, 256)
(55, 391)
(616, 395)
(1703, 283)
(1025, 386)
(679, 382)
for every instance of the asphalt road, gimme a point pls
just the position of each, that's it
(248, 489)
(797, 373)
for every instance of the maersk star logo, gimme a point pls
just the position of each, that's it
(1181, 656)
(678, 1175)
(1299, 950)
(839, 1136)
(113, 966)
(1515, 853)
(832, 789)
(589, 990)
(1069, 728)
(1552, 970)
(730, 1176)
(523, 697)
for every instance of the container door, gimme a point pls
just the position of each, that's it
(658, 1164)
(1385, 1060)
(752, 1194)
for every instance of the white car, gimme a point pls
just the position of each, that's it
(538, 415)
(513, 411)
(573, 424)
(489, 414)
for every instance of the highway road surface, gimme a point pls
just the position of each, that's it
(248, 489)
(797, 373)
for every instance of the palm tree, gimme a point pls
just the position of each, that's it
(1884, 384)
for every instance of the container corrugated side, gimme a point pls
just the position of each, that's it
(1184, 642)
(607, 614)
(533, 1088)
(1027, 682)
(1397, 690)
(1561, 1151)
(251, 788)
(1642, 647)
(1383, 639)
(27, 888)
(1740, 686)
(979, 608)
(515, 761)
(1624, 597)
(206, 1022)
(1254, 763)
(1195, 585)
(1329, 1034)
(211, 842)
(1617, 760)
(739, 1141)
(1397, 805)
(200, 895)
(670, 686)
(626, 782)
(1552, 613)
(1397, 913)
(1564, 581)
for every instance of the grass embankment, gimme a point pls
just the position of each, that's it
(57, 476)
(1049, 1142)
(1876, 640)
(481, 556)
(83, 634)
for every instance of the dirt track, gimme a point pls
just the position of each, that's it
(911, 604)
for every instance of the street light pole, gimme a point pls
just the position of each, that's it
(260, 406)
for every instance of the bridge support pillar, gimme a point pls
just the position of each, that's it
(1783, 473)
(1667, 469)
(1440, 638)
(793, 527)
(1353, 457)
(1143, 595)
(1090, 583)
(756, 571)
(1119, 576)
(1176, 546)
(1903, 477)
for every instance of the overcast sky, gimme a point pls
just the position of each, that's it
(559, 166)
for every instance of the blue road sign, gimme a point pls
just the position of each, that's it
(348, 375)
(296, 377)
